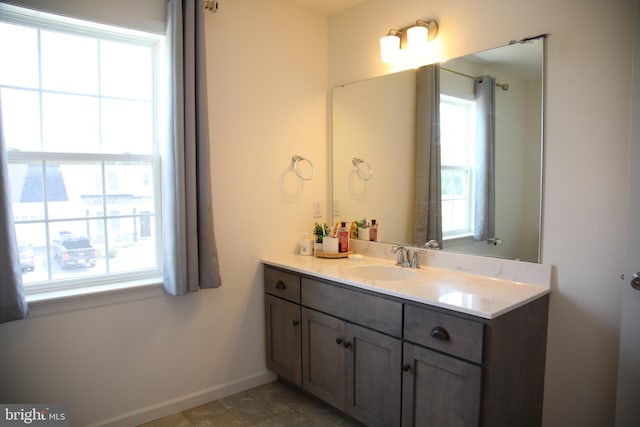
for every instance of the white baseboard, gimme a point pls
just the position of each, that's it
(181, 403)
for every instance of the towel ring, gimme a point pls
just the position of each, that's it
(364, 174)
(294, 161)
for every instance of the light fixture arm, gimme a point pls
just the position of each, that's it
(431, 25)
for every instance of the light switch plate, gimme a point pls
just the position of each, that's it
(316, 209)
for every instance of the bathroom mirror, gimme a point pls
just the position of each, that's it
(374, 152)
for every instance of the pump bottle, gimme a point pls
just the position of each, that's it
(343, 235)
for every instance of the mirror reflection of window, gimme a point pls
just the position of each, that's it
(457, 145)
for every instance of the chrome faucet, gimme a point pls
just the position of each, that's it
(405, 257)
(432, 244)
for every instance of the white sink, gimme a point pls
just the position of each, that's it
(382, 272)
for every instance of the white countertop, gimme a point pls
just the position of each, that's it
(473, 294)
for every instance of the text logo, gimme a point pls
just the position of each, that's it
(40, 415)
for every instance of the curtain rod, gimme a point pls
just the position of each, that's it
(503, 86)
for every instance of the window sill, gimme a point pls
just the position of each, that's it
(61, 301)
(459, 238)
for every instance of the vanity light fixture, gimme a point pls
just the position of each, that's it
(414, 39)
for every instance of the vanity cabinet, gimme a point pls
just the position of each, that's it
(349, 366)
(323, 357)
(388, 361)
(462, 370)
(439, 388)
(283, 329)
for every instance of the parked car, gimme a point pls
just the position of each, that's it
(27, 259)
(74, 251)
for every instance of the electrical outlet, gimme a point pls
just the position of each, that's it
(336, 207)
(316, 209)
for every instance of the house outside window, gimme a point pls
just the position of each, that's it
(80, 108)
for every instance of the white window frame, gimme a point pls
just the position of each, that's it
(468, 168)
(109, 282)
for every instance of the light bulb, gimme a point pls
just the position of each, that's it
(417, 37)
(389, 47)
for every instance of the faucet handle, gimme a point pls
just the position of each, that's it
(415, 260)
(400, 259)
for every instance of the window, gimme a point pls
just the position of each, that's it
(457, 139)
(80, 110)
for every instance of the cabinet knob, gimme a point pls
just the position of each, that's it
(406, 368)
(347, 344)
(296, 323)
(338, 341)
(280, 285)
(440, 333)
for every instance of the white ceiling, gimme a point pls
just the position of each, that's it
(324, 7)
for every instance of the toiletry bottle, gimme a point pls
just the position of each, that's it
(343, 243)
(374, 231)
(306, 245)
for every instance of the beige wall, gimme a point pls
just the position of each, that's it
(131, 361)
(587, 112)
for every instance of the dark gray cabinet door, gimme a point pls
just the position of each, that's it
(283, 338)
(439, 390)
(373, 376)
(323, 358)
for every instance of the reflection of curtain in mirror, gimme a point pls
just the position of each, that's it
(485, 192)
(428, 205)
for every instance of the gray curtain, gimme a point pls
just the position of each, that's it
(428, 205)
(190, 254)
(13, 306)
(485, 192)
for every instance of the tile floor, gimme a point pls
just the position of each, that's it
(270, 405)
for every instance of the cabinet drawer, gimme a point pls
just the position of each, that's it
(282, 284)
(358, 307)
(444, 332)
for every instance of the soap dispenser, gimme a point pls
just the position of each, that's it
(343, 235)
(306, 245)
(374, 231)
